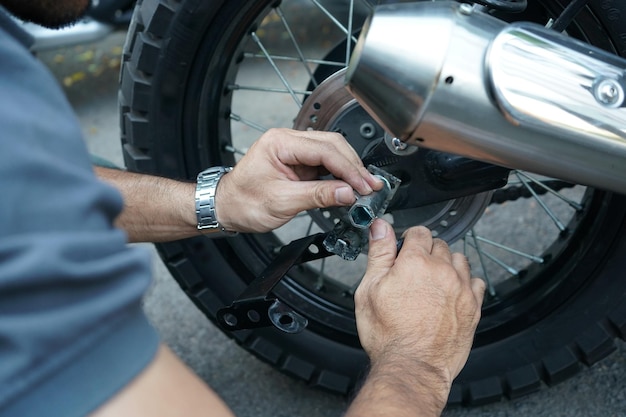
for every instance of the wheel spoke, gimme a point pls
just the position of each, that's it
(250, 55)
(232, 149)
(334, 20)
(533, 258)
(571, 203)
(280, 13)
(490, 287)
(543, 205)
(276, 69)
(568, 15)
(498, 262)
(233, 87)
(349, 38)
(320, 276)
(249, 123)
(308, 230)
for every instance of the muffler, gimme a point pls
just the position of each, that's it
(446, 76)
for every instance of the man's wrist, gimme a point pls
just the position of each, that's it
(428, 382)
(205, 197)
(401, 386)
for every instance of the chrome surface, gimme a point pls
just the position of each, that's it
(84, 31)
(391, 58)
(398, 62)
(544, 80)
(368, 207)
(516, 95)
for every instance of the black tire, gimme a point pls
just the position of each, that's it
(175, 119)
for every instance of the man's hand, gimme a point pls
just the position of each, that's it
(416, 317)
(279, 177)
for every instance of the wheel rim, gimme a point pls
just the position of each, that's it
(516, 270)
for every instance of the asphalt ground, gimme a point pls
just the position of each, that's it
(89, 75)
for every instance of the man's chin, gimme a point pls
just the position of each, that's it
(59, 23)
(52, 14)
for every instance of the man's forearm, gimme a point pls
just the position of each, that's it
(400, 389)
(156, 209)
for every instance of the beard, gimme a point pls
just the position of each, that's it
(53, 14)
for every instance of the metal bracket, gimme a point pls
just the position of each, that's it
(255, 308)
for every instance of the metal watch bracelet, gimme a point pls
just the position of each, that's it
(206, 187)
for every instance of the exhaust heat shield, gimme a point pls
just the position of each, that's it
(445, 76)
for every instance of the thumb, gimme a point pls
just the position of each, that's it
(382, 248)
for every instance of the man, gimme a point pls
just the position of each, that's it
(73, 338)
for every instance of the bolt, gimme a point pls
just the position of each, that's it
(466, 9)
(367, 130)
(398, 145)
(350, 239)
(609, 93)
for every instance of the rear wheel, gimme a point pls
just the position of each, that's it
(202, 80)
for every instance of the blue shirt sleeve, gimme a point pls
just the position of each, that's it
(72, 332)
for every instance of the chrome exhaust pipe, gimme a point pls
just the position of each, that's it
(445, 76)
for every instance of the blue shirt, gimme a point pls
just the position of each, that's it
(72, 332)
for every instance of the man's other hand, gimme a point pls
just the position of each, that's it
(417, 313)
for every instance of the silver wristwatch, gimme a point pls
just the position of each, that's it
(206, 187)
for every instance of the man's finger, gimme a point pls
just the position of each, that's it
(441, 250)
(342, 146)
(461, 264)
(382, 252)
(308, 152)
(478, 288)
(417, 239)
(334, 138)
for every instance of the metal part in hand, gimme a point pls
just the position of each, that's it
(349, 236)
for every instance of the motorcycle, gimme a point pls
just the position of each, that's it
(501, 120)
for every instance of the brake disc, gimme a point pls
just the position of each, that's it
(332, 108)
